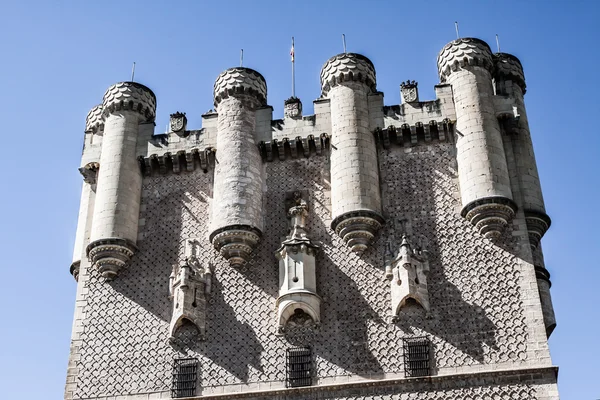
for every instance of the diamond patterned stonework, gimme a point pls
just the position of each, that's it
(355, 238)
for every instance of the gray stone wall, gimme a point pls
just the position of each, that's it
(485, 309)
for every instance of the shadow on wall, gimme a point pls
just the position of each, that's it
(415, 195)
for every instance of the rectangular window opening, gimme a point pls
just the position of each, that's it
(416, 357)
(299, 367)
(185, 374)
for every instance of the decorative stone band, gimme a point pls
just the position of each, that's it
(240, 80)
(537, 225)
(183, 160)
(461, 53)
(411, 135)
(543, 274)
(347, 67)
(293, 148)
(110, 255)
(236, 242)
(358, 228)
(508, 67)
(74, 269)
(130, 96)
(490, 215)
(94, 121)
(90, 172)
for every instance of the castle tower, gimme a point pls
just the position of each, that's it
(125, 106)
(237, 217)
(347, 79)
(432, 309)
(487, 200)
(509, 81)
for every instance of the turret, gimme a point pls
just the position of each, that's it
(93, 124)
(346, 80)
(113, 237)
(509, 82)
(237, 210)
(487, 199)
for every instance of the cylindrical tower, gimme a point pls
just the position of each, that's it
(510, 81)
(346, 80)
(237, 209)
(93, 124)
(487, 200)
(126, 105)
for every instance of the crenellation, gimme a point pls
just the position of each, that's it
(346, 235)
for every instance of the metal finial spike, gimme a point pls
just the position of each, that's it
(241, 57)
(497, 43)
(133, 71)
(344, 42)
(456, 26)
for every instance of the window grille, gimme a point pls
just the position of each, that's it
(416, 357)
(185, 373)
(299, 367)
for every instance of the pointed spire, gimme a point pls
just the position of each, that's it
(405, 247)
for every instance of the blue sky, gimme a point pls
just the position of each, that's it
(59, 57)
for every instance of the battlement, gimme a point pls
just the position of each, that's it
(359, 236)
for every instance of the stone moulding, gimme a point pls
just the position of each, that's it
(358, 228)
(543, 274)
(74, 269)
(407, 135)
(490, 215)
(461, 53)
(110, 255)
(538, 224)
(347, 67)
(285, 147)
(241, 81)
(129, 96)
(183, 160)
(236, 243)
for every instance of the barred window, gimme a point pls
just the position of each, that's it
(185, 373)
(416, 356)
(299, 367)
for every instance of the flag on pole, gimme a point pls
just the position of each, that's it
(292, 54)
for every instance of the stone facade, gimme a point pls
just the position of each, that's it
(346, 232)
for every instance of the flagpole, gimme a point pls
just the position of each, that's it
(293, 69)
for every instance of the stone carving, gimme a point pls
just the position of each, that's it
(178, 122)
(110, 255)
(189, 287)
(490, 215)
(358, 228)
(537, 225)
(240, 80)
(347, 67)
(131, 96)
(462, 52)
(74, 269)
(94, 122)
(293, 108)
(90, 172)
(236, 243)
(298, 302)
(409, 91)
(407, 272)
